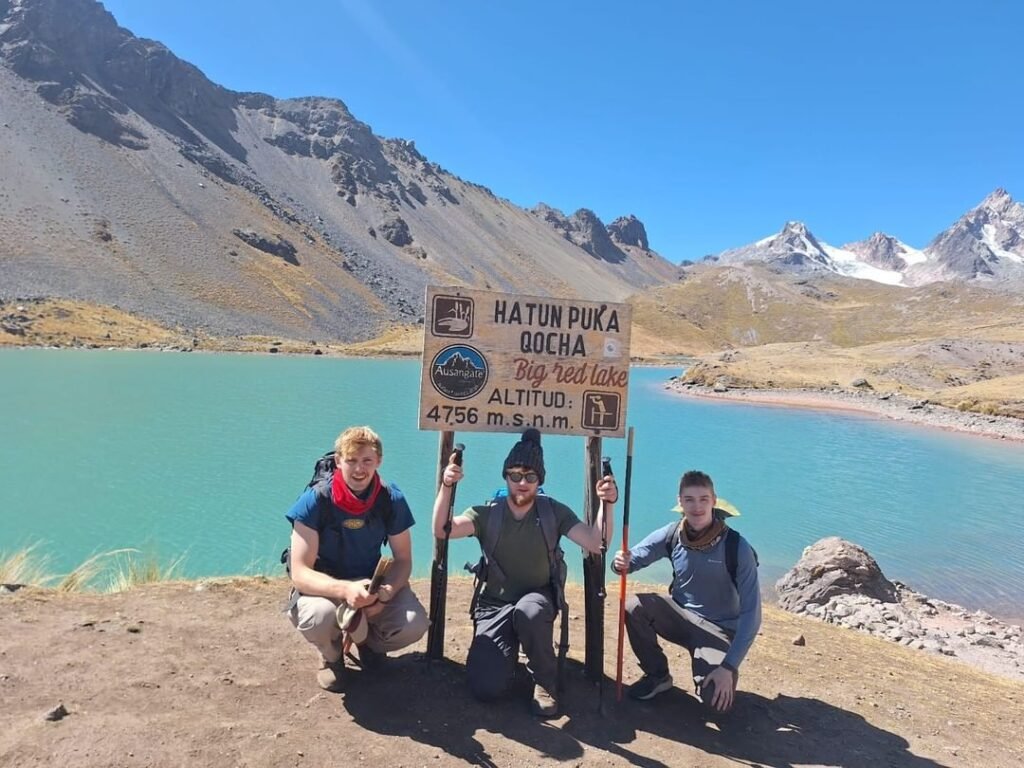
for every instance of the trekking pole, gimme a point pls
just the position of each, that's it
(622, 576)
(602, 592)
(439, 574)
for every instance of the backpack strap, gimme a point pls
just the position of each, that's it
(558, 571)
(732, 546)
(556, 559)
(673, 542)
(489, 543)
(487, 567)
(548, 525)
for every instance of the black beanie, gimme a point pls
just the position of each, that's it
(527, 453)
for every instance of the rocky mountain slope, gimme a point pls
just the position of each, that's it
(985, 245)
(130, 179)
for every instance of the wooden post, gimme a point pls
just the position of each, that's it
(439, 567)
(593, 575)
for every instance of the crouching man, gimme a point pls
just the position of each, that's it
(713, 608)
(338, 529)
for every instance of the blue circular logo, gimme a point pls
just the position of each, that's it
(458, 372)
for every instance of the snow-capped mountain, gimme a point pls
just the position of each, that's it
(986, 244)
(794, 246)
(987, 241)
(886, 252)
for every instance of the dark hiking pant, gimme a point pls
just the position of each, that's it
(650, 616)
(499, 629)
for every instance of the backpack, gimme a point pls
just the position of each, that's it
(732, 546)
(488, 569)
(323, 471)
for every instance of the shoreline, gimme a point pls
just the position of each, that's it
(895, 407)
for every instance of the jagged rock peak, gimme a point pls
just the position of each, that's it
(553, 217)
(878, 242)
(629, 230)
(880, 250)
(586, 217)
(96, 71)
(584, 229)
(998, 201)
(797, 231)
(590, 234)
(310, 111)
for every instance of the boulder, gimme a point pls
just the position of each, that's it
(277, 246)
(396, 231)
(831, 567)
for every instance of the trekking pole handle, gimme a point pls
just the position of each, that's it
(606, 471)
(456, 459)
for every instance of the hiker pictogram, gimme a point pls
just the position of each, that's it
(601, 410)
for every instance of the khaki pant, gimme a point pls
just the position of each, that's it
(401, 623)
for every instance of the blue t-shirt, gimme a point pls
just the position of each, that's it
(350, 544)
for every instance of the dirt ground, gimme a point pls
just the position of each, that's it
(213, 675)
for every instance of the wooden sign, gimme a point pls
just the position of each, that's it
(496, 362)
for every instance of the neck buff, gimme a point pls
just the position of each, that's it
(706, 538)
(343, 497)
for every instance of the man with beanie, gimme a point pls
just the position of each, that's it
(518, 603)
(713, 606)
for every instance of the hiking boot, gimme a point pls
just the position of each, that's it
(647, 687)
(544, 703)
(369, 659)
(331, 676)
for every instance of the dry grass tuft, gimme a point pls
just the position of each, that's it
(25, 566)
(115, 571)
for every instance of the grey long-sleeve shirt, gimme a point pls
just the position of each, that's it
(702, 584)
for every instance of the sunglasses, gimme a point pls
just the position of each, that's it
(516, 477)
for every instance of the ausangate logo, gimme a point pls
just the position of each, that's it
(458, 372)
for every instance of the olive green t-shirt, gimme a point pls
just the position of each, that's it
(521, 551)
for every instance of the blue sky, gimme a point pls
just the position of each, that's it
(714, 122)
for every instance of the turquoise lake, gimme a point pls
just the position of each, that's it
(202, 454)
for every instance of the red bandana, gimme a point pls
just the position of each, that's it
(343, 497)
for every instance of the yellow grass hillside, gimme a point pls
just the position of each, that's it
(955, 344)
